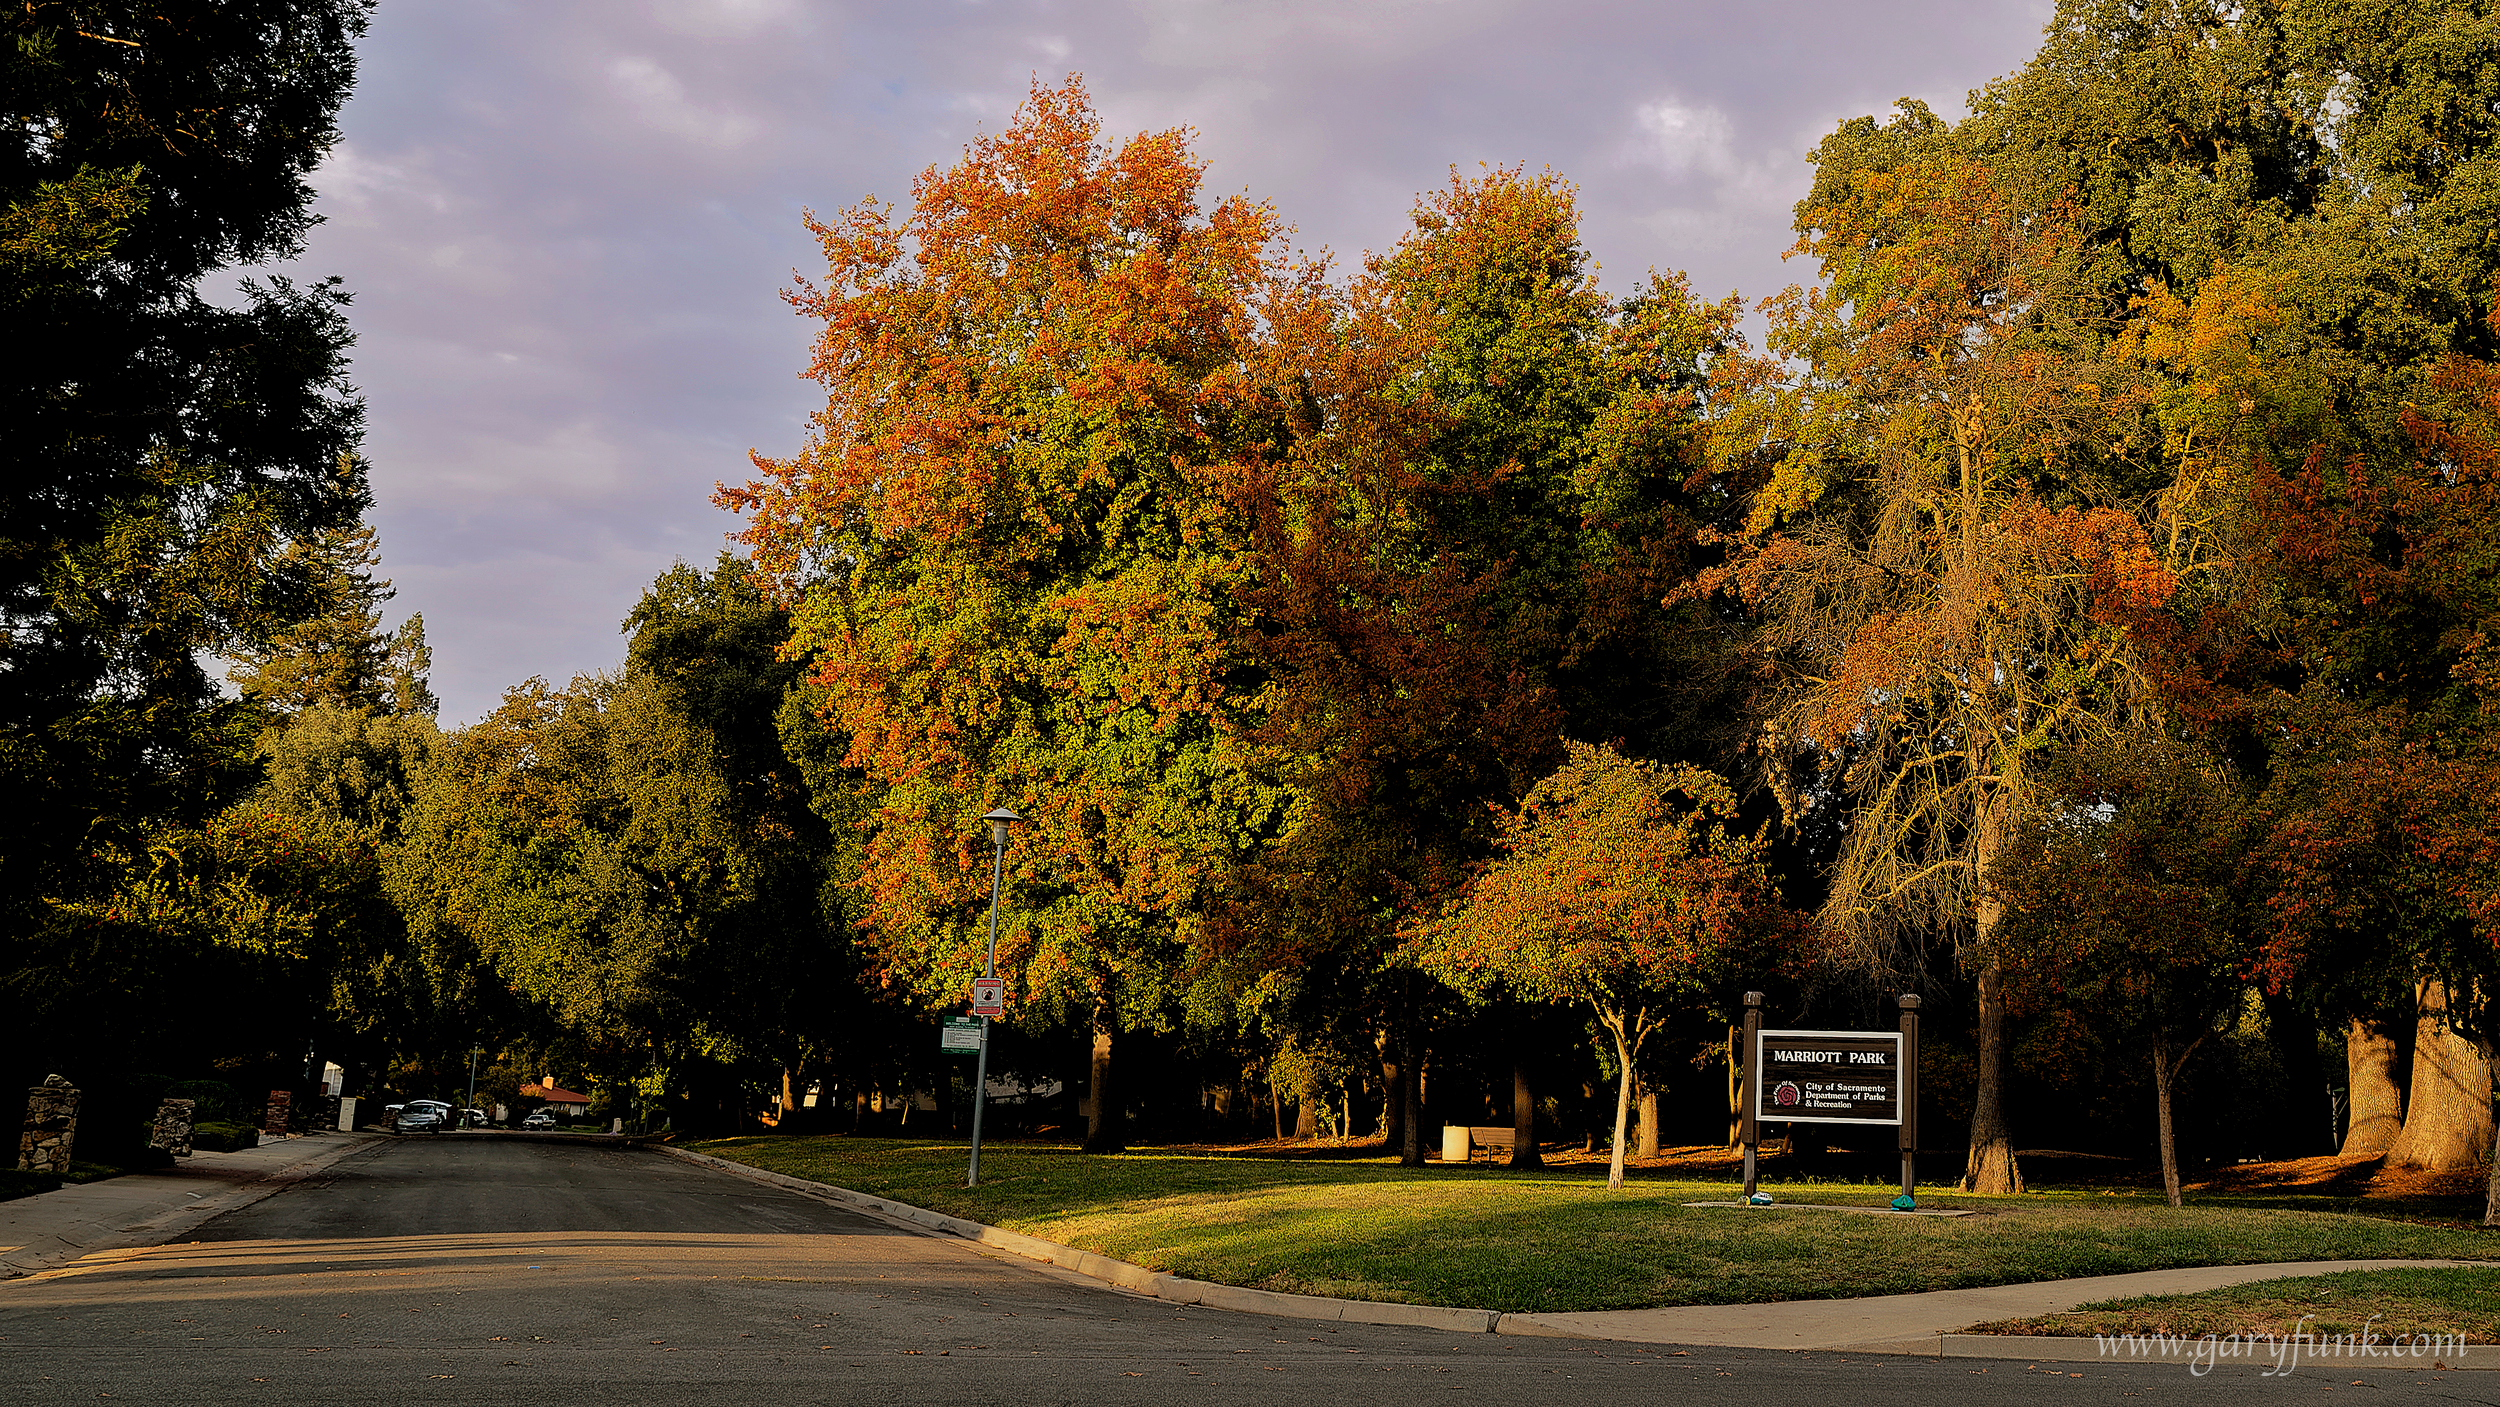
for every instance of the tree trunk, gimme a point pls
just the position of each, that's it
(1393, 1097)
(1735, 1088)
(2165, 1079)
(1991, 1170)
(859, 1108)
(789, 1098)
(1307, 1099)
(1410, 1101)
(1523, 1152)
(2376, 1106)
(2491, 1188)
(1102, 1123)
(1645, 1144)
(1623, 1096)
(2448, 1117)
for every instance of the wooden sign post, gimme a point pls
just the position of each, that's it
(1831, 1077)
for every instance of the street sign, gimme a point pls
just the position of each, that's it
(960, 1035)
(1827, 1077)
(989, 996)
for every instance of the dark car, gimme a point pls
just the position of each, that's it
(417, 1118)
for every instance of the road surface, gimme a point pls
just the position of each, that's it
(436, 1270)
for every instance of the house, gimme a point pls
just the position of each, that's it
(564, 1102)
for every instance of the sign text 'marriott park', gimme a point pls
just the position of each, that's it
(1827, 1077)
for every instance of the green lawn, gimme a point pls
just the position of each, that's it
(1493, 1239)
(2388, 1302)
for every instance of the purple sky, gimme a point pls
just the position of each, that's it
(566, 221)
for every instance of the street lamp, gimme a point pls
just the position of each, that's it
(999, 820)
(474, 1053)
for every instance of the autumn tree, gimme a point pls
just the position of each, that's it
(1488, 474)
(1618, 885)
(2383, 845)
(1950, 606)
(1009, 549)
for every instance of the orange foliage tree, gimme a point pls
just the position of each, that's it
(1618, 885)
(1010, 545)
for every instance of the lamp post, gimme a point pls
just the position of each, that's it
(999, 820)
(474, 1052)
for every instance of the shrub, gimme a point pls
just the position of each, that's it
(223, 1137)
(17, 1182)
(212, 1101)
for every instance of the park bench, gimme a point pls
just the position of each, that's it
(1498, 1139)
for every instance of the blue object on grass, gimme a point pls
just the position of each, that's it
(1760, 1199)
(1905, 1203)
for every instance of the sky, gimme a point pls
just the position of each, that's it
(566, 223)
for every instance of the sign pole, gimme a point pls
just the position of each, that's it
(1909, 1095)
(999, 820)
(1749, 1130)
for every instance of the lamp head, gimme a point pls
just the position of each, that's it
(1000, 820)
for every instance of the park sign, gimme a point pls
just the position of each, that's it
(1827, 1077)
(959, 1035)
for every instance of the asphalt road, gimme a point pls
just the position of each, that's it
(434, 1270)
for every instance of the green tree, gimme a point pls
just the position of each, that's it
(1491, 473)
(2126, 896)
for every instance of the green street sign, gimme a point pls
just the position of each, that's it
(960, 1035)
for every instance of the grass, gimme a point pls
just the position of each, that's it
(2430, 1301)
(16, 1182)
(1525, 1242)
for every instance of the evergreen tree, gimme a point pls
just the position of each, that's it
(163, 451)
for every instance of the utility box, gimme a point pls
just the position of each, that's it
(347, 1113)
(1453, 1143)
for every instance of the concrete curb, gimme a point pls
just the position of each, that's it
(1120, 1274)
(47, 1255)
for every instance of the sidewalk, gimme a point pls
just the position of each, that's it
(1925, 1323)
(51, 1229)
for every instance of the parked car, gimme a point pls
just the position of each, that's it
(472, 1118)
(417, 1118)
(539, 1120)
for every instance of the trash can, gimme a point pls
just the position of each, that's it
(1453, 1143)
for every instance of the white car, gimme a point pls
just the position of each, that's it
(539, 1120)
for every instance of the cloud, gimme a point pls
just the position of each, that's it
(1680, 139)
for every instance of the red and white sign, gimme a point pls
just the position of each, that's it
(989, 996)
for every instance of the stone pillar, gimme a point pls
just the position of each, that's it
(173, 1127)
(273, 1123)
(51, 1126)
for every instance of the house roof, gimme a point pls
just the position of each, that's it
(553, 1095)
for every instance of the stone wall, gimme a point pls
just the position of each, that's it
(173, 1127)
(51, 1126)
(281, 1105)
